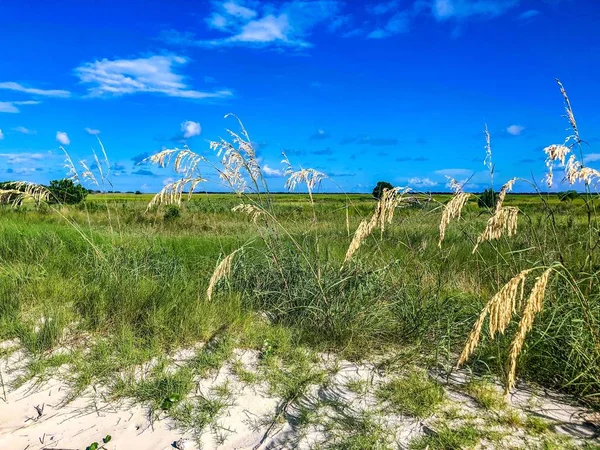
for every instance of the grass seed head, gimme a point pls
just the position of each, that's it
(500, 309)
(532, 307)
(452, 210)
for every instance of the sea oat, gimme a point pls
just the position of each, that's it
(384, 214)
(569, 112)
(452, 210)
(172, 193)
(253, 211)
(532, 307)
(503, 220)
(500, 309)
(222, 271)
(555, 152)
(15, 192)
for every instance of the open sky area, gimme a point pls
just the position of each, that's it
(396, 90)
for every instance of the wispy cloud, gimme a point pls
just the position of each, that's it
(22, 158)
(515, 130)
(13, 86)
(382, 7)
(529, 14)
(260, 24)
(92, 131)
(319, 135)
(11, 107)
(455, 173)
(397, 24)
(1, 134)
(154, 74)
(62, 138)
(459, 10)
(421, 182)
(190, 129)
(24, 130)
(591, 157)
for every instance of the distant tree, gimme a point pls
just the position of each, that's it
(379, 188)
(67, 192)
(488, 199)
(138, 192)
(568, 196)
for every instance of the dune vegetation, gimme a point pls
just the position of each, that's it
(509, 290)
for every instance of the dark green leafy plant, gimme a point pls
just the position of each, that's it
(380, 187)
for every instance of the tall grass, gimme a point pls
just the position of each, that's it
(436, 275)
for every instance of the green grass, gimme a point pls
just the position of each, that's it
(448, 438)
(129, 286)
(415, 394)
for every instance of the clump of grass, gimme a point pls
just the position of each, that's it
(243, 374)
(360, 433)
(486, 395)
(536, 425)
(358, 386)
(415, 394)
(446, 437)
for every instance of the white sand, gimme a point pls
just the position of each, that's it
(243, 424)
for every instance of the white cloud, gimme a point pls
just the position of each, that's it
(92, 131)
(383, 8)
(286, 24)
(1, 134)
(168, 180)
(20, 158)
(529, 14)
(466, 9)
(63, 138)
(591, 157)
(12, 86)
(11, 107)
(24, 130)
(515, 130)
(236, 10)
(454, 173)
(154, 74)
(398, 23)
(421, 182)
(190, 129)
(271, 173)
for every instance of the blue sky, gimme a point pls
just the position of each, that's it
(394, 90)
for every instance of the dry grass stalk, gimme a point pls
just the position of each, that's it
(500, 309)
(503, 220)
(347, 221)
(533, 306)
(253, 211)
(569, 112)
(15, 192)
(452, 210)
(222, 271)
(384, 213)
(172, 193)
(554, 152)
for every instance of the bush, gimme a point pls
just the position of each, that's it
(488, 199)
(379, 188)
(173, 212)
(66, 192)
